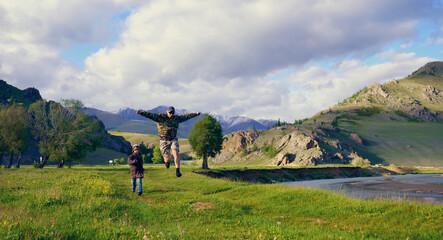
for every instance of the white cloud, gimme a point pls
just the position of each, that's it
(212, 56)
(330, 87)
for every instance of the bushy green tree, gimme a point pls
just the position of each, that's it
(41, 128)
(65, 134)
(206, 138)
(158, 157)
(3, 149)
(15, 130)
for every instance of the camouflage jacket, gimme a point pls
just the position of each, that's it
(167, 127)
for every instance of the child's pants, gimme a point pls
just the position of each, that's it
(134, 181)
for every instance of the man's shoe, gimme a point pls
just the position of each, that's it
(139, 193)
(177, 172)
(167, 164)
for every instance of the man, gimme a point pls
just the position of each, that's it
(167, 124)
(135, 162)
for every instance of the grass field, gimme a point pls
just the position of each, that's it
(400, 143)
(96, 203)
(101, 156)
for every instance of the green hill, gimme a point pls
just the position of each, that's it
(399, 122)
(9, 93)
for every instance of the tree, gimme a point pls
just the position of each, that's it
(64, 133)
(15, 130)
(74, 133)
(206, 138)
(147, 153)
(3, 149)
(41, 128)
(158, 157)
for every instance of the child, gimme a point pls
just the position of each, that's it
(135, 162)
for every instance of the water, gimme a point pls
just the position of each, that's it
(400, 189)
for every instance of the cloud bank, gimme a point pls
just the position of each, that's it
(211, 56)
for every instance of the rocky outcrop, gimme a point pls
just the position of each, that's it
(357, 138)
(27, 96)
(296, 148)
(432, 94)
(401, 103)
(236, 141)
(32, 94)
(117, 143)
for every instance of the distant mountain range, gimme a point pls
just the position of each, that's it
(127, 120)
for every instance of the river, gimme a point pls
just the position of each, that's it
(420, 187)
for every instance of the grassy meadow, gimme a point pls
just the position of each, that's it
(400, 143)
(96, 203)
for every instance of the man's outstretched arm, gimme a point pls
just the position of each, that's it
(185, 117)
(153, 116)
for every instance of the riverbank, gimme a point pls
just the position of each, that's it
(416, 186)
(309, 173)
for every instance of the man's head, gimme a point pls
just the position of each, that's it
(135, 147)
(170, 111)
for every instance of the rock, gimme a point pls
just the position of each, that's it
(378, 89)
(339, 156)
(310, 157)
(430, 93)
(357, 138)
(236, 141)
(297, 140)
(336, 144)
(354, 155)
(283, 159)
(32, 94)
(117, 143)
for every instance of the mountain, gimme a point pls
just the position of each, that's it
(399, 122)
(25, 97)
(9, 94)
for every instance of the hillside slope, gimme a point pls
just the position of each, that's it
(9, 94)
(399, 122)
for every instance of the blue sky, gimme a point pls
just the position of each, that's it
(253, 58)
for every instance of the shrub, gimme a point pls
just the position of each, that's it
(272, 151)
(119, 161)
(36, 165)
(187, 158)
(244, 152)
(254, 147)
(158, 158)
(360, 162)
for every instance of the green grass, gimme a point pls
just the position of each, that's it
(138, 138)
(400, 143)
(96, 203)
(101, 156)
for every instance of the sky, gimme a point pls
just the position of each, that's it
(263, 59)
